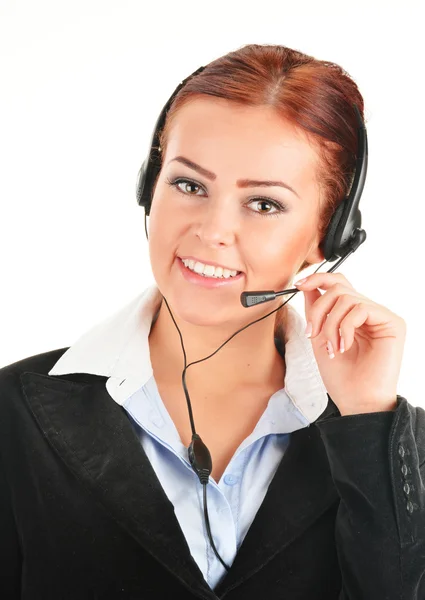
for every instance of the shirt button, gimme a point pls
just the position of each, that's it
(409, 507)
(404, 470)
(401, 451)
(231, 479)
(406, 488)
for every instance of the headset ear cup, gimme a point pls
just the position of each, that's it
(141, 182)
(146, 181)
(328, 243)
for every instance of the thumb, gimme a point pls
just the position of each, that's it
(310, 297)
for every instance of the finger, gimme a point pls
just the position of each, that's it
(352, 321)
(310, 299)
(323, 281)
(327, 311)
(332, 329)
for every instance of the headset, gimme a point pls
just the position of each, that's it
(343, 236)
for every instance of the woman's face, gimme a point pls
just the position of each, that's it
(213, 217)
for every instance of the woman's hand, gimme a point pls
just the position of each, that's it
(364, 377)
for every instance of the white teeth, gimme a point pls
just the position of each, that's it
(198, 268)
(208, 270)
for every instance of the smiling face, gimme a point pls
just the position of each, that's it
(213, 215)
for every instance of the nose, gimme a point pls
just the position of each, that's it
(219, 222)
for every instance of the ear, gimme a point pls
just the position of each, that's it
(315, 254)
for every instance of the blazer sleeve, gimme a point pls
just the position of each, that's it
(377, 461)
(10, 553)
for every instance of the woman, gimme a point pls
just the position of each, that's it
(316, 489)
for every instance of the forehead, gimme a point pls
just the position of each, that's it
(216, 130)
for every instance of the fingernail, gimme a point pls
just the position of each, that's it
(341, 345)
(308, 329)
(300, 281)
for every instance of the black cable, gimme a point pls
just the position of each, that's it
(207, 523)
(199, 454)
(192, 423)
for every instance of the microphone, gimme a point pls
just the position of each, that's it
(253, 298)
(258, 297)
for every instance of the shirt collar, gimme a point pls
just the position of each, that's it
(118, 348)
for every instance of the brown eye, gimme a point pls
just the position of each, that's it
(262, 202)
(275, 209)
(188, 186)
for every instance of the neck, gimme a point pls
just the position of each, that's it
(250, 360)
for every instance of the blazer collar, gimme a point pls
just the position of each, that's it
(95, 439)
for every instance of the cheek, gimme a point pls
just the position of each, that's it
(161, 225)
(286, 243)
(163, 220)
(279, 255)
(163, 241)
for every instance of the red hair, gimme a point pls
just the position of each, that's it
(315, 95)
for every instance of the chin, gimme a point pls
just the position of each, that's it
(194, 312)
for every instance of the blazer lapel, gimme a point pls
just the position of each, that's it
(301, 490)
(95, 439)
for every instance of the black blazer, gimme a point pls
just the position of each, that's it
(83, 515)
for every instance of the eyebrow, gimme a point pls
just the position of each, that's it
(243, 183)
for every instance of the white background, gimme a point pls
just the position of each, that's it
(82, 83)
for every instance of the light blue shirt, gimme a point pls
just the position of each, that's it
(118, 348)
(234, 501)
